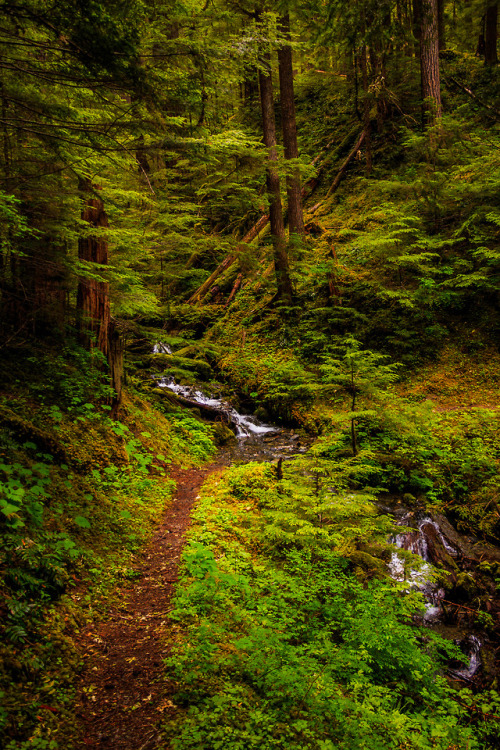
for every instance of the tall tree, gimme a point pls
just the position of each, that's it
(289, 126)
(491, 34)
(64, 71)
(93, 306)
(441, 25)
(427, 29)
(281, 263)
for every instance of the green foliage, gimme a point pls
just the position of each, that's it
(284, 646)
(79, 493)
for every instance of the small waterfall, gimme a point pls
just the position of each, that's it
(472, 650)
(424, 541)
(246, 426)
(160, 348)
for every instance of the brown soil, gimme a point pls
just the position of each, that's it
(124, 693)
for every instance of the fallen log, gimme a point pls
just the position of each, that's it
(476, 98)
(229, 260)
(213, 413)
(345, 164)
(307, 189)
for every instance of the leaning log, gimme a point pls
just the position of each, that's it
(345, 164)
(229, 259)
(234, 290)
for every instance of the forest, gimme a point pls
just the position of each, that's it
(249, 375)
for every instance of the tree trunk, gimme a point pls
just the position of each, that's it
(281, 266)
(345, 164)
(289, 127)
(490, 35)
(441, 26)
(366, 111)
(429, 61)
(229, 259)
(93, 296)
(116, 367)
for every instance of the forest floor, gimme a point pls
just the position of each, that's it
(124, 694)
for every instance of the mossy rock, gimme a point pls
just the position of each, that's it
(168, 362)
(262, 414)
(182, 376)
(466, 586)
(223, 434)
(377, 551)
(371, 567)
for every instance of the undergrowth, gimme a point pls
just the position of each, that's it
(79, 495)
(292, 641)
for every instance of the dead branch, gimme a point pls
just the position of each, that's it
(234, 290)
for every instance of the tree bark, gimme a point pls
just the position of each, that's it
(441, 26)
(491, 35)
(289, 127)
(234, 290)
(429, 60)
(281, 266)
(93, 307)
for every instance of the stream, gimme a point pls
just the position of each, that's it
(432, 539)
(427, 540)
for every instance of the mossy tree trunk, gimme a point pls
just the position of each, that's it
(96, 328)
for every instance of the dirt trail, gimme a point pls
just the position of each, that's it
(123, 693)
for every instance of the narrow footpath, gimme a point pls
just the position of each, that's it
(124, 694)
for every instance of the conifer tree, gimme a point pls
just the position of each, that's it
(289, 126)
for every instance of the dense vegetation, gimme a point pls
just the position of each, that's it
(143, 198)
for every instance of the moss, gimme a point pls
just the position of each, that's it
(166, 362)
(369, 565)
(222, 434)
(25, 430)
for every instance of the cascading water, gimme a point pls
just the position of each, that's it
(160, 348)
(255, 439)
(418, 541)
(246, 425)
(421, 541)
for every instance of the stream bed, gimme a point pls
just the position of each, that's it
(255, 440)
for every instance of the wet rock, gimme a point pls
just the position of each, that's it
(437, 554)
(262, 414)
(473, 549)
(223, 434)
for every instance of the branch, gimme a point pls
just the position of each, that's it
(476, 98)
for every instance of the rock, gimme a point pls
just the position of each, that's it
(437, 553)
(369, 565)
(167, 362)
(262, 414)
(473, 550)
(223, 434)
